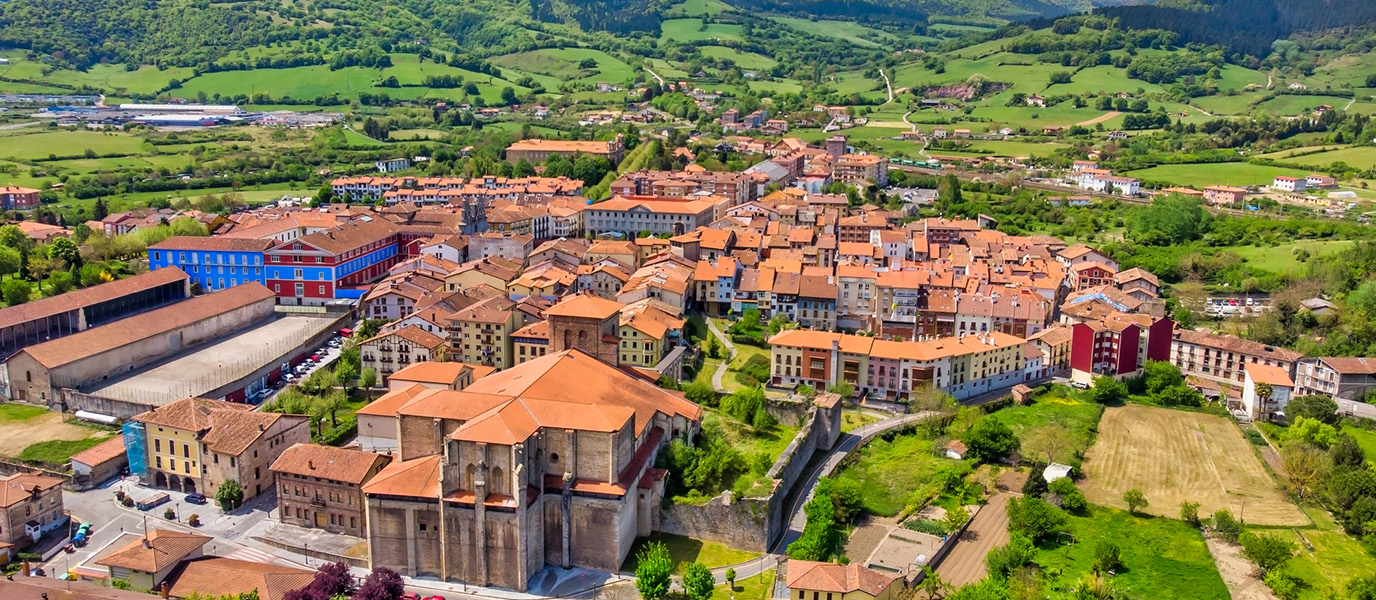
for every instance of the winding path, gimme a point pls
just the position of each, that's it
(730, 355)
(656, 76)
(887, 84)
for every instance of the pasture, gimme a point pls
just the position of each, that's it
(1298, 105)
(744, 60)
(1361, 157)
(1282, 258)
(41, 145)
(1201, 175)
(562, 64)
(894, 472)
(1177, 456)
(850, 31)
(1056, 407)
(692, 30)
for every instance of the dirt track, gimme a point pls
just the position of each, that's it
(1099, 119)
(1176, 456)
(15, 436)
(989, 529)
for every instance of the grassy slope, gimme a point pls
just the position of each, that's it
(684, 550)
(1164, 559)
(1080, 418)
(1238, 174)
(891, 471)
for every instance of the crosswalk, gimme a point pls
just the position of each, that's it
(251, 555)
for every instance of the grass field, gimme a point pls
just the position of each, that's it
(1163, 559)
(698, 8)
(685, 550)
(416, 134)
(58, 451)
(562, 63)
(1297, 105)
(1335, 559)
(1366, 438)
(852, 420)
(1282, 259)
(691, 30)
(844, 30)
(1079, 418)
(1362, 157)
(110, 77)
(891, 472)
(19, 413)
(1227, 105)
(41, 145)
(1176, 456)
(1201, 175)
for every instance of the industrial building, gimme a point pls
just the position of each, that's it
(37, 371)
(75, 311)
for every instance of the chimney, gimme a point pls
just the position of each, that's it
(310, 464)
(163, 590)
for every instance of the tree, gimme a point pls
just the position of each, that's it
(819, 531)
(1135, 499)
(1160, 374)
(1017, 552)
(843, 389)
(10, 261)
(16, 291)
(698, 582)
(65, 250)
(229, 495)
(652, 570)
(1266, 551)
(1108, 390)
(1319, 408)
(345, 372)
(1305, 430)
(1189, 512)
(60, 282)
(1346, 454)
(730, 576)
(1306, 469)
(1034, 518)
(100, 210)
(933, 584)
(325, 195)
(845, 496)
(989, 440)
(956, 518)
(1046, 442)
(701, 393)
(367, 379)
(381, 584)
(1067, 495)
(1171, 219)
(523, 168)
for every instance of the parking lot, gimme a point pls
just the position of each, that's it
(321, 360)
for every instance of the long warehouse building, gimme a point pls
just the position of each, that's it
(105, 352)
(62, 315)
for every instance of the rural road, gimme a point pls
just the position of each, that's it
(909, 123)
(1099, 119)
(18, 125)
(730, 355)
(887, 84)
(804, 487)
(656, 76)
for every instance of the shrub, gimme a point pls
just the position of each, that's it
(1227, 527)
(1068, 495)
(1135, 499)
(1255, 437)
(1034, 518)
(1284, 585)
(926, 526)
(1107, 557)
(194, 520)
(127, 501)
(1189, 513)
(1267, 552)
(1003, 560)
(169, 514)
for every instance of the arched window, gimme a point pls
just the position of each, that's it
(494, 480)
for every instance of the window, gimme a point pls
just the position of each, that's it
(157, 445)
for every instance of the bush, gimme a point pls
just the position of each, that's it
(1068, 496)
(1034, 518)
(1003, 560)
(1255, 437)
(926, 526)
(169, 514)
(700, 392)
(1266, 551)
(989, 440)
(1227, 527)
(127, 501)
(1189, 513)
(1107, 557)
(757, 366)
(194, 520)
(1284, 585)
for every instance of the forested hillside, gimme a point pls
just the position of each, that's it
(1245, 26)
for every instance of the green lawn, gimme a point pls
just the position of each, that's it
(746, 440)
(759, 587)
(685, 550)
(691, 30)
(1366, 438)
(1296, 105)
(41, 145)
(1079, 417)
(562, 63)
(1163, 559)
(1362, 157)
(1336, 557)
(852, 420)
(1282, 259)
(1201, 175)
(845, 30)
(58, 451)
(895, 473)
(15, 413)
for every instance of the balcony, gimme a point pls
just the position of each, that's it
(317, 501)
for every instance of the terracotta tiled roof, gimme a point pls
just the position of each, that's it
(188, 414)
(38, 588)
(215, 244)
(233, 433)
(410, 333)
(439, 372)
(834, 578)
(328, 462)
(21, 486)
(1053, 336)
(110, 449)
(347, 236)
(391, 402)
(1351, 365)
(585, 306)
(75, 299)
(418, 477)
(1269, 374)
(125, 331)
(536, 330)
(217, 577)
(165, 548)
(1235, 344)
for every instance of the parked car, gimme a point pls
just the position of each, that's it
(410, 596)
(196, 498)
(1080, 385)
